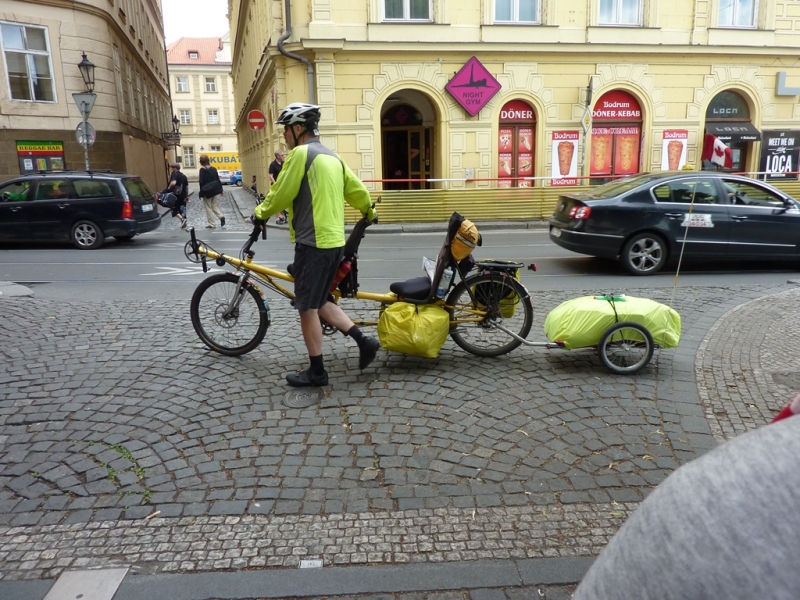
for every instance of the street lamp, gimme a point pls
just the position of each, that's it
(85, 102)
(175, 123)
(87, 72)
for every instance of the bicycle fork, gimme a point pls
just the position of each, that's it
(236, 300)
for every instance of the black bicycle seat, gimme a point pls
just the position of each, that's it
(418, 288)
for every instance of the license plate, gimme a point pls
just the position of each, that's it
(147, 207)
(555, 232)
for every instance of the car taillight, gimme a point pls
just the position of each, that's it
(127, 210)
(580, 212)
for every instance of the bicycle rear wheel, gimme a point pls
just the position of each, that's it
(229, 325)
(500, 301)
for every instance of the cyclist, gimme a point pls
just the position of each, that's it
(314, 185)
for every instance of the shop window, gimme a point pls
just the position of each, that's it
(516, 11)
(213, 116)
(620, 12)
(515, 144)
(728, 120)
(407, 10)
(738, 13)
(616, 136)
(30, 74)
(181, 84)
(186, 116)
(407, 144)
(211, 84)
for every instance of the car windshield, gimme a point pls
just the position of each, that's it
(620, 186)
(137, 188)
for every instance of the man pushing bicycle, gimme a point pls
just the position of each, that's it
(314, 185)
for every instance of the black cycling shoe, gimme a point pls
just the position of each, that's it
(367, 351)
(307, 378)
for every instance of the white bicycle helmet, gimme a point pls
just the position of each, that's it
(298, 112)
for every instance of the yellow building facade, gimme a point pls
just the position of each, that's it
(441, 104)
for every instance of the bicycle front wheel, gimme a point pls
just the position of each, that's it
(229, 323)
(500, 303)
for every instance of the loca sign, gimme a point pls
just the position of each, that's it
(473, 86)
(780, 151)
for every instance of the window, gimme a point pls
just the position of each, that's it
(194, 55)
(92, 188)
(131, 96)
(621, 12)
(407, 10)
(186, 116)
(52, 189)
(699, 191)
(516, 11)
(215, 148)
(118, 80)
(737, 13)
(188, 156)
(181, 84)
(747, 194)
(15, 191)
(30, 76)
(213, 116)
(211, 84)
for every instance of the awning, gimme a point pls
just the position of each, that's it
(734, 131)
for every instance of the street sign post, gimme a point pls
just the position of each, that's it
(586, 123)
(256, 120)
(85, 102)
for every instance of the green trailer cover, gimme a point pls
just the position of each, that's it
(582, 321)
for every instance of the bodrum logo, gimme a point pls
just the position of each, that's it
(473, 86)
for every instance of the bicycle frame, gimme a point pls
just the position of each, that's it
(268, 277)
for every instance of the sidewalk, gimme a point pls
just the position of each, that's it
(440, 479)
(245, 202)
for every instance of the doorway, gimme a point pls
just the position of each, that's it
(407, 140)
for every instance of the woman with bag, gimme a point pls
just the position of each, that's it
(210, 190)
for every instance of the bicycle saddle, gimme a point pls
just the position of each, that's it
(418, 288)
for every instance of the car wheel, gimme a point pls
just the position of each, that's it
(124, 238)
(86, 235)
(644, 254)
(239, 184)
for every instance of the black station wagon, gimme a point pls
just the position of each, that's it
(84, 207)
(644, 220)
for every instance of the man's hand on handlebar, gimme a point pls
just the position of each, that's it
(257, 222)
(371, 215)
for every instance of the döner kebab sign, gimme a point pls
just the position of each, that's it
(473, 86)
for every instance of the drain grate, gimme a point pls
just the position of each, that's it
(303, 398)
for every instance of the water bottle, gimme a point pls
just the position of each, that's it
(444, 283)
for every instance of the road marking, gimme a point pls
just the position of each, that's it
(174, 271)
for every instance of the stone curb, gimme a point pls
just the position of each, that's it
(9, 289)
(334, 581)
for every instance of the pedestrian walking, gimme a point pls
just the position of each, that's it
(317, 229)
(179, 185)
(210, 192)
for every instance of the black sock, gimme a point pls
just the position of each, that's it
(316, 364)
(355, 333)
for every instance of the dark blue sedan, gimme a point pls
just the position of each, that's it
(644, 220)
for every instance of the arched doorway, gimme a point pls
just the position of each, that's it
(515, 144)
(728, 120)
(407, 129)
(616, 136)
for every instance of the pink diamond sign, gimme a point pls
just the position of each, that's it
(473, 86)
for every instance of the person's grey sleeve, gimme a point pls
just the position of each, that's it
(723, 527)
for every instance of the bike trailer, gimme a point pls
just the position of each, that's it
(418, 329)
(581, 322)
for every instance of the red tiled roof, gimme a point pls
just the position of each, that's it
(206, 48)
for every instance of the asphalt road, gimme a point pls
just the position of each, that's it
(153, 265)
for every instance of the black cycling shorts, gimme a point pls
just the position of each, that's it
(314, 270)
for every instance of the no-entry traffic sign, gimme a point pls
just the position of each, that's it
(256, 120)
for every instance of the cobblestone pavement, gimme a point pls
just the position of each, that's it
(123, 440)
